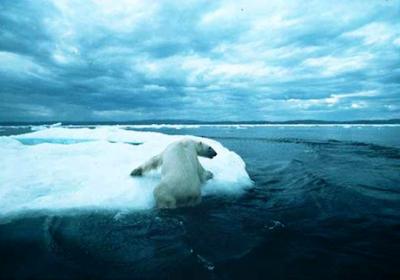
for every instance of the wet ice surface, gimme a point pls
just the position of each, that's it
(62, 168)
(325, 204)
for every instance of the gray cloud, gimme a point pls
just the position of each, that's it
(207, 60)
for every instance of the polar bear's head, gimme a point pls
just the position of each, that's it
(204, 150)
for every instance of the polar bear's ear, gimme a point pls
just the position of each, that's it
(200, 145)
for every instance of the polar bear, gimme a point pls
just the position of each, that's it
(181, 173)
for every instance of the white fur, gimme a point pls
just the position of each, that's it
(181, 173)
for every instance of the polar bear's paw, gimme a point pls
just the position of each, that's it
(137, 172)
(208, 175)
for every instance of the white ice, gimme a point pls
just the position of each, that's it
(63, 168)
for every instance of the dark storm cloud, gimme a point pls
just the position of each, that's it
(127, 60)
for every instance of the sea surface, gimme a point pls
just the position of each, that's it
(325, 204)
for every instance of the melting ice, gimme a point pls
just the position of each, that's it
(61, 168)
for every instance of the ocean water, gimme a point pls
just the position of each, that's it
(288, 202)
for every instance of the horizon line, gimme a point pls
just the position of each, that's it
(199, 122)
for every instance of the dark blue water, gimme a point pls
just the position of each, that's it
(325, 204)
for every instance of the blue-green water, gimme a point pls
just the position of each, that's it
(325, 204)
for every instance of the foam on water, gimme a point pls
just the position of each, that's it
(62, 168)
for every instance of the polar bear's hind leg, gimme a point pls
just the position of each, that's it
(194, 200)
(163, 198)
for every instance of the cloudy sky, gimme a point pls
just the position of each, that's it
(205, 60)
